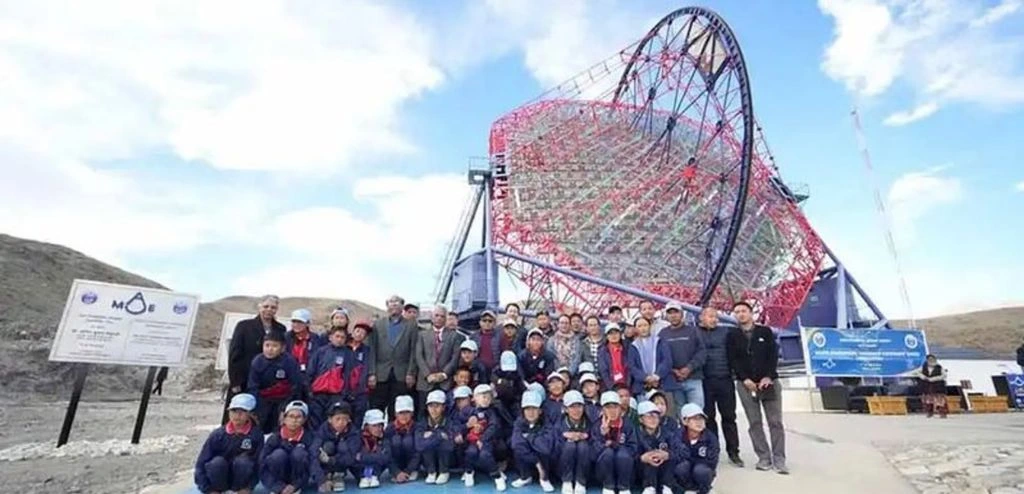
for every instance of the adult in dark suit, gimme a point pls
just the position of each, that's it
(392, 341)
(247, 343)
(437, 354)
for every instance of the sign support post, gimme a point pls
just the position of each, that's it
(81, 370)
(140, 419)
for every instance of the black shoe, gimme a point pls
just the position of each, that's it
(735, 459)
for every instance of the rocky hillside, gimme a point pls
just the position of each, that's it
(997, 332)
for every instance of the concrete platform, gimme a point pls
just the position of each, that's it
(834, 453)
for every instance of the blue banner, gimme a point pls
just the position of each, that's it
(863, 352)
(1016, 384)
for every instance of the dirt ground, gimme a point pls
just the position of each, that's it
(167, 452)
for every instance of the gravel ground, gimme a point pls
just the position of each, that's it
(98, 459)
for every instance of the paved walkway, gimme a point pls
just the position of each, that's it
(840, 453)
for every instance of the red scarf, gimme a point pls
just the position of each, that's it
(292, 437)
(402, 428)
(614, 428)
(231, 429)
(369, 440)
(300, 348)
(618, 363)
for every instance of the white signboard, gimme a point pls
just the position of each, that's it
(227, 330)
(105, 323)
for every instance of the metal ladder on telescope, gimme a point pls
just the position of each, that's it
(456, 246)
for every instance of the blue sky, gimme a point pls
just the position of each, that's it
(326, 155)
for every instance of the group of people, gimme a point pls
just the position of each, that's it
(576, 400)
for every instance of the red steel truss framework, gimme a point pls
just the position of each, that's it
(645, 171)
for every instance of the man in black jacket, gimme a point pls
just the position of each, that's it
(754, 357)
(719, 390)
(247, 343)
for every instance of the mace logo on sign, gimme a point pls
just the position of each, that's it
(180, 308)
(818, 339)
(135, 306)
(89, 298)
(911, 341)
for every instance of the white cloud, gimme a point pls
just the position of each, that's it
(919, 112)
(914, 195)
(948, 51)
(239, 85)
(1020, 186)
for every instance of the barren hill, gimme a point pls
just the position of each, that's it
(997, 331)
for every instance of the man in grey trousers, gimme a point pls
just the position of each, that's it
(754, 358)
(393, 341)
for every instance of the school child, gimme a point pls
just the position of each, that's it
(401, 437)
(535, 361)
(566, 375)
(339, 443)
(290, 460)
(362, 361)
(328, 374)
(532, 444)
(482, 432)
(460, 405)
(590, 388)
(629, 405)
(572, 445)
(512, 338)
(617, 361)
(478, 374)
(668, 422)
(552, 407)
(300, 341)
(614, 443)
(699, 461)
(227, 461)
(508, 384)
(585, 367)
(461, 410)
(462, 377)
(274, 379)
(659, 451)
(374, 454)
(435, 439)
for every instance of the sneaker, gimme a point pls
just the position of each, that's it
(469, 479)
(649, 490)
(567, 488)
(364, 483)
(579, 489)
(782, 469)
(338, 484)
(624, 491)
(607, 491)
(522, 482)
(499, 482)
(545, 485)
(736, 460)
(666, 490)
(414, 475)
(764, 465)
(442, 478)
(431, 478)
(374, 481)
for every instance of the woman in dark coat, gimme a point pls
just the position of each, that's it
(932, 377)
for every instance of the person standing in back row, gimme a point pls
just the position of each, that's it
(247, 343)
(719, 389)
(682, 370)
(437, 354)
(392, 341)
(754, 357)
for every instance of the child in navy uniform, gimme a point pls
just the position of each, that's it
(590, 388)
(274, 379)
(659, 451)
(339, 443)
(699, 461)
(668, 423)
(300, 341)
(552, 407)
(572, 445)
(435, 439)
(535, 361)
(614, 443)
(359, 371)
(290, 458)
(227, 461)
(328, 374)
(478, 374)
(508, 384)
(617, 362)
(482, 432)
(374, 454)
(532, 445)
(401, 437)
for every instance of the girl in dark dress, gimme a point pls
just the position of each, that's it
(933, 387)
